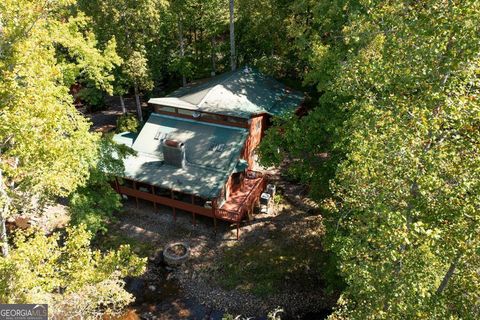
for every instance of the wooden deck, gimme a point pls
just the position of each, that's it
(239, 204)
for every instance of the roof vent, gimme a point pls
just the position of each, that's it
(196, 114)
(217, 147)
(173, 153)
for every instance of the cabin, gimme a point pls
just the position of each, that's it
(195, 153)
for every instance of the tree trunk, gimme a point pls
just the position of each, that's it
(3, 237)
(137, 102)
(182, 49)
(232, 37)
(214, 67)
(122, 103)
(3, 216)
(448, 275)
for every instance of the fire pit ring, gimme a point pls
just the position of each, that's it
(176, 253)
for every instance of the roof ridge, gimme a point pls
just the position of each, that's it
(213, 88)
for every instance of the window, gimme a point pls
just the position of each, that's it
(211, 116)
(236, 120)
(164, 109)
(186, 112)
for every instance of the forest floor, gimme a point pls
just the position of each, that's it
(277, 262)
(106, 120)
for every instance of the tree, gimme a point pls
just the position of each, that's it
(64, 272)
(46, 148)
(233, 62)
(404, 216)
(134, 26)
(93, 204)
(409, 189)
(311, 145)
(136, 71)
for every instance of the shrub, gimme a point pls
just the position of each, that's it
(93, 97)
(127, 123)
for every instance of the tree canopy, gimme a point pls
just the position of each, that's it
(398, 119)
(388, 145)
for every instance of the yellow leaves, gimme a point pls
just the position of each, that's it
(51, 139)
(71, 277)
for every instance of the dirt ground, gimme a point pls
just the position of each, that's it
(292, 221)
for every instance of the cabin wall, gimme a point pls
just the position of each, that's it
(256, 130)
(229, 187)
(234, 182)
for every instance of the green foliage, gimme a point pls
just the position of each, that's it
(393, 135)
(93, 97)
(278, 198)
(127, 123)
(93, 205)
(309, 158)
(133, 25)
(392, 142)
(114, 239)
(136, 70)
(65, 273)
(46, 147)
(408, 186)
(394, 139)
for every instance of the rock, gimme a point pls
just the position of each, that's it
(147, 316)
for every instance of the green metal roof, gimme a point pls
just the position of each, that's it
(212, 153)
(241, 93)
(126, 138)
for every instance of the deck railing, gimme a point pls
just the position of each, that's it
(235, 216)
(248, 204)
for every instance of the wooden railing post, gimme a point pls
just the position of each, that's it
(193, 213)
(214, 212)
(173, 208)
(135, 187)
(154, 203)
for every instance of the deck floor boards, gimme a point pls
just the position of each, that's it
(236, 200)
